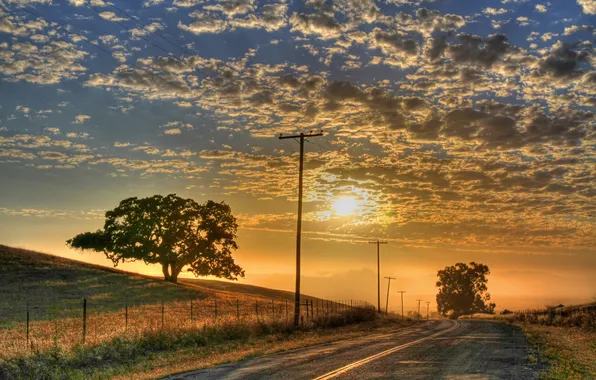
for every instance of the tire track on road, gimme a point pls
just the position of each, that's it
(361, 362)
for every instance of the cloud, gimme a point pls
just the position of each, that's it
(322, 24)
(111, 16)
(172, 131)
(588, 6)
(563, 62)
(494, 11)
(48, 64)
(540, 8)
(479, 51)
(53, 130)
(81, 119)
(79, 135)
(16, 154)
(204, 22)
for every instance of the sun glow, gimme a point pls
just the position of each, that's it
(345, 206)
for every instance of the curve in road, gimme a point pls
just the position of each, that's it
(471, 350)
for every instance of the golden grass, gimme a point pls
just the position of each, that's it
(101, 326)
(570, 352)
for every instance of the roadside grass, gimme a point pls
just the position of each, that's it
(139, 325)
(569, 352)
(121, 304)
(54, 287)
(164, 352)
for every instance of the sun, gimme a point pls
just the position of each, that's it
(345, 206)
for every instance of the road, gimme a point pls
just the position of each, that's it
(467, 350)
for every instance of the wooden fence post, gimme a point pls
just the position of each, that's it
(27, 325)
(307, 310)
(215, 302)
(126, 314)
(84, 319)
(237, 309)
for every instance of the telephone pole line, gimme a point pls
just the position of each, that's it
(378, 243)
(402, 303)
(302, 137)
(427, 310)
(388, 287)
(419, 308)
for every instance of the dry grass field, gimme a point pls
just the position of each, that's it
(127, 316)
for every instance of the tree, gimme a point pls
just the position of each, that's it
(462, 290)
(170, 231)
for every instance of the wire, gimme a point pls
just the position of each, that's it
(63, 28)
(141, 37)
(145, 26)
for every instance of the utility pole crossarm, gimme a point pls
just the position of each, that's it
(304, 135)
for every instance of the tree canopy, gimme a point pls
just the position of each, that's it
(171, 231)
(463, 290)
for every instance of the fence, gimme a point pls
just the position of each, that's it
(583, 316)
(68, 323)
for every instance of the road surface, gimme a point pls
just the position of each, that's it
(467, 350)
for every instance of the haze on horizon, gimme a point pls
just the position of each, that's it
(455, 130)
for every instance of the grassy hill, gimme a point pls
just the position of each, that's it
(54, 287)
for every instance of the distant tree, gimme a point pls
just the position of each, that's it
(506, 312)
(170, 231)
(462, 290)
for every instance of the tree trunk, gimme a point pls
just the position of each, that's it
(176, 269)
(166, 274)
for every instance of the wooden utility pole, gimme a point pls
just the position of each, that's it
(388, 287)
(427, 310)
(378, 243)
(402, 303)
(419, 308)
(302, 138)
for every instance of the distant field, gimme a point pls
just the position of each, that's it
(52, 284)
(51, 290)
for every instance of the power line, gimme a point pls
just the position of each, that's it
(145, 26)
(56, 25)
(141, 37)
(303, 137)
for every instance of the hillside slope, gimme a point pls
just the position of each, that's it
(54, 287)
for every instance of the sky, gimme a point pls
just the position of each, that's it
(455, 130)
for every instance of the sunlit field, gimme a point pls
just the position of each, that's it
(101, 326)
(120, 305)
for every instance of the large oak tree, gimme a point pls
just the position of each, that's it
(463, 290)
(170, 231)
